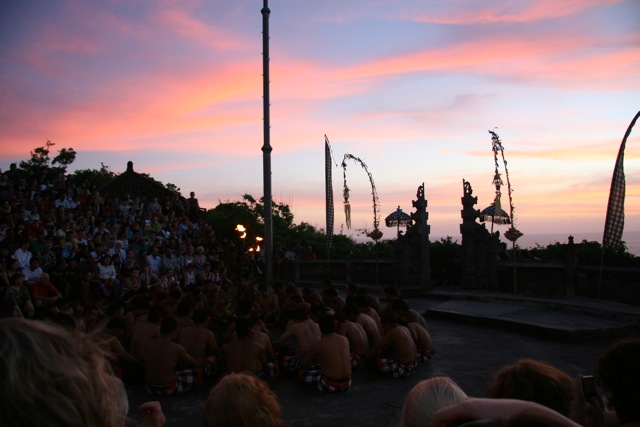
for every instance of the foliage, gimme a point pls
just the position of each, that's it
(95, 178)
(172, 187)
(40, 164)
(586, 253)
(446, 256)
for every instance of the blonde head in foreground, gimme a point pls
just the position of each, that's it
(428, 396)
(54, 377)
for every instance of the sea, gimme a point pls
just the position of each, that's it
(528, 241)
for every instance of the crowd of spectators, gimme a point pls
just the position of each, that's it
(93, 247)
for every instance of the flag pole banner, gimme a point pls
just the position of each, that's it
(328, 192)
(614, 222)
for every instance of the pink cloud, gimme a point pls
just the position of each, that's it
(489, 13)
(183, 23)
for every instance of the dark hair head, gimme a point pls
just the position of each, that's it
(351, 309)
(327, 323)
(200, 316)
(399, 305)
(168, 326)
(535, 381)
(155, 313)
(331, 292)
(391, 290)
(245, 307)
(297, 314)
(618, 374)
(388, 319)
(244, 327)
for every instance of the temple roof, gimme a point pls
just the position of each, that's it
(137, 185)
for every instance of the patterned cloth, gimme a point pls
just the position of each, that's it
(290, 363)
(185, 380)
(395, 369)
(209, 366)
(356, 361)
(314, 378)
(424, 354)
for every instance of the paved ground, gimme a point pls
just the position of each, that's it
(474, 333)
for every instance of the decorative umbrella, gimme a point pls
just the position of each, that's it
(489, 214)
(397, 219)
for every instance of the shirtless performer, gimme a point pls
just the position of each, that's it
(108, 338)
(245, 354)
(402, 310)
(421, 337)
(332, 353)
(358, 341)
(200, 342)
(142, 332)
(162, 356)
(365, 307)
(368, 324)
(305, 331)
(396, 354)
(269, 304)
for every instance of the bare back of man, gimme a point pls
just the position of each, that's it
(370, 327)
(421, 336)
(140, 335)
(375, 316)
(399, 343)
(332, 351)
(161, 359)
(244, 355)
(303, 332)
(199, 342)
(354, 332)
(265, 341)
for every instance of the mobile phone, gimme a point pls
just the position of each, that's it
(589, 387)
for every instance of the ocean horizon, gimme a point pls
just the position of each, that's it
(529, 241)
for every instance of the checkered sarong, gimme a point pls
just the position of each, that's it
(395, 369)
(314, 378)
(290, 363)
(424, 355)
(356, 361)
(209, 366)
(185, 380)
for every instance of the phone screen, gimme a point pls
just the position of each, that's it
(589, 387)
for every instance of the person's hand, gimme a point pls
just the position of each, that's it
(587, 413)
(153, 415)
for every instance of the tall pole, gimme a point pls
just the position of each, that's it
(266, 149)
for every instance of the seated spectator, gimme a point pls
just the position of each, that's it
(534, 380)
(44, 293)
(33, 271)
(16, 299)
(428, 396)
(258, 407)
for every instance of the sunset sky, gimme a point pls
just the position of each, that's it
(411, 87)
